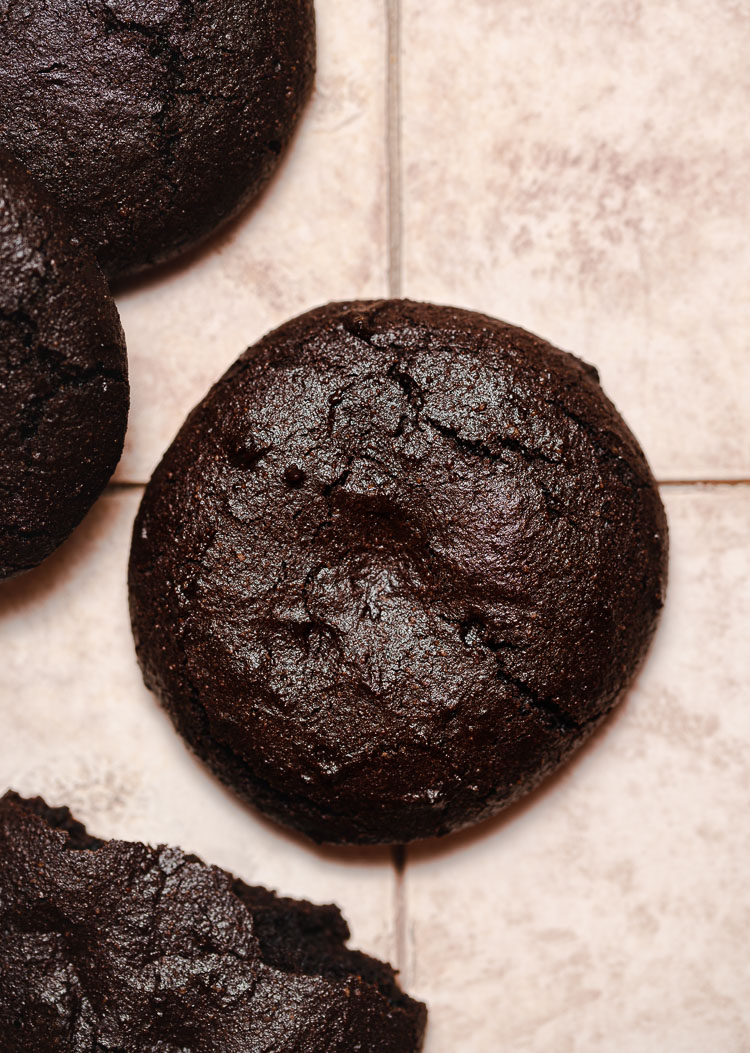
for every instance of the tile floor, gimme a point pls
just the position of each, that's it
(581, 170)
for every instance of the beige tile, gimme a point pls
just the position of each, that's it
(80, 729)
(317, 234)
(582, 170)
(610, 912)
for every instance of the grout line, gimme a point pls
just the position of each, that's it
(125, 484)
(703, 482)
(131, 484)
(398, 858)
(395, 290)
(393, 148)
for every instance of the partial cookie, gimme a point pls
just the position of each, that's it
(63, 375)
(152, 123)
(395, 568)
(119, 946)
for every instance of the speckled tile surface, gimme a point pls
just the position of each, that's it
(581, 170)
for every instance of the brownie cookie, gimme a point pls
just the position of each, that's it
(395, 568)
(63, 375)
(119, 946)
(152, 123)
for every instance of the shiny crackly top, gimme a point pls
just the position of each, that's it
(152, 122)
(119, 946)
(395, 567)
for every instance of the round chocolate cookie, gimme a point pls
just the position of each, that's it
(395, 568)
(152, 123)
(63, 375)
(119, 946)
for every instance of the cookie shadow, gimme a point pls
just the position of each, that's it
(436, 848)
(399, 856)
(219, 238)
(340, 855)
(34, 586)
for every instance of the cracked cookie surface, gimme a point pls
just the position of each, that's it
(63, 375)
(152, 122)
(112, 945)
(395, 568)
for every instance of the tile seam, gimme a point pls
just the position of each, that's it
(134, 484)
(124, 484)
(393, 147)
(703, 482)
(401, 954)
(395, 290)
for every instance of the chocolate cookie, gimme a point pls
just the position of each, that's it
(152, 123)
(63, 375)
(395, 568)
(118, 946)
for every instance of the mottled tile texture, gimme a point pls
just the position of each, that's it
(583, 170)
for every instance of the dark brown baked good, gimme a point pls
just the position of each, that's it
(63, 375)
(152, 123)
(395, 568)
(122, 947)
